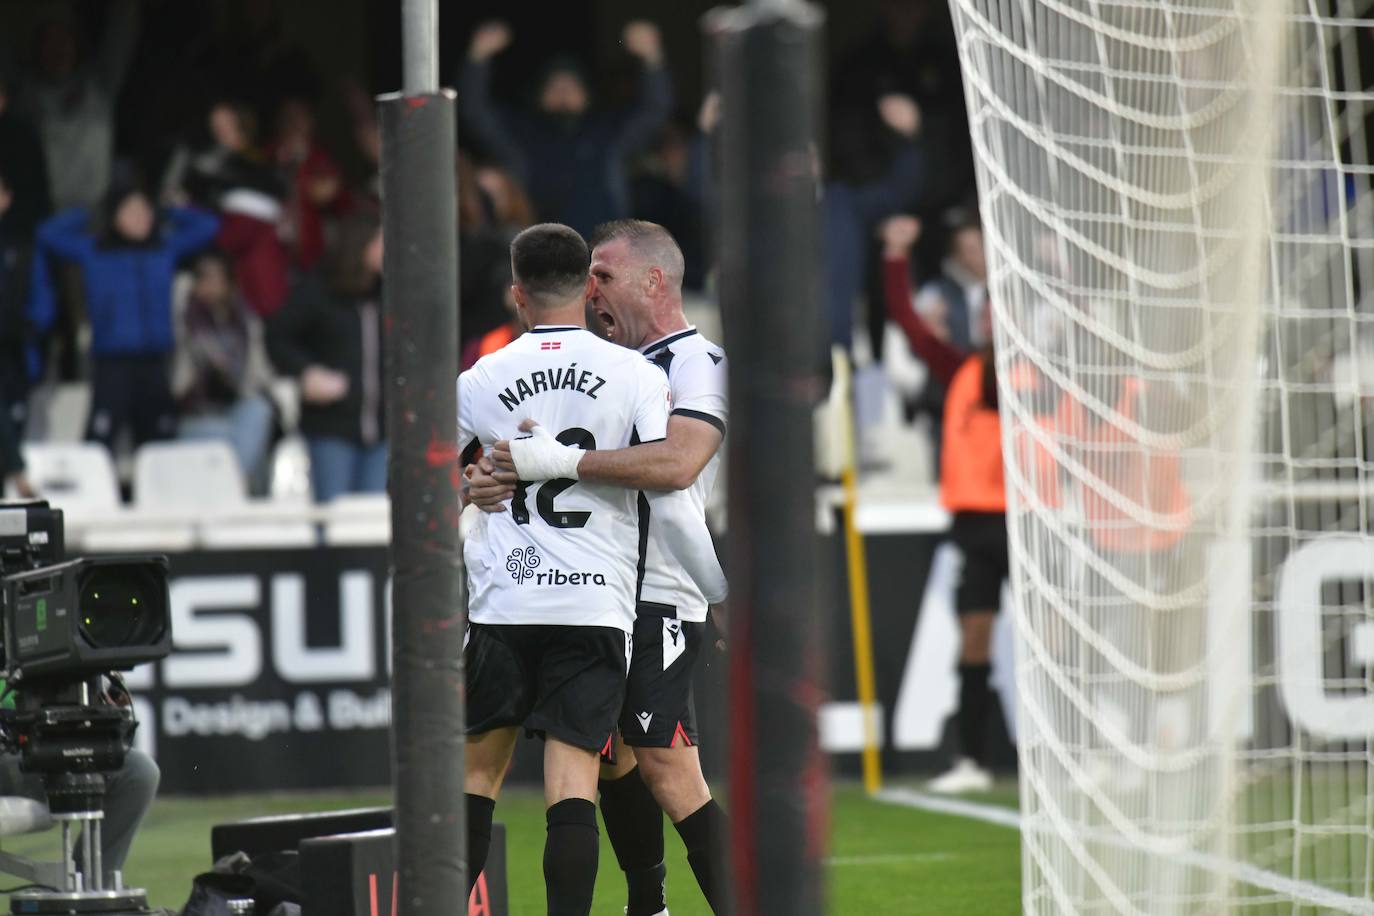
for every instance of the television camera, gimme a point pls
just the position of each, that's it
(66, 627)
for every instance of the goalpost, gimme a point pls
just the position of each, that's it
(1177, 200)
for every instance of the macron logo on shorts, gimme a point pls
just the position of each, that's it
(673, 643)
(522, 563)
(644, 719)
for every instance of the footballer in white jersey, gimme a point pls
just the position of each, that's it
(571, 553)
(697, 381)
(567, 552)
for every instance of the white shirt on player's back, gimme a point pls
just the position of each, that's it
(565, 552)
(698, 379)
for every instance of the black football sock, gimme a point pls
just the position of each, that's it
(634, 825)
(704, 832)
(570, 853)
(480, 809)
(973, 710)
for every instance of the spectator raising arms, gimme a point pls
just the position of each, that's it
(220, 374)
(72, 100)
(128, 264)
(571, 159)
(329, 336)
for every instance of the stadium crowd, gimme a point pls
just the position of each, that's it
(187, 266)
(214, 271)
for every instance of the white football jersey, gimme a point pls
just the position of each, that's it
(697, 377)
(565, 551)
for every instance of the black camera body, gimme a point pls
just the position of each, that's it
(63, 622)
(85, 617)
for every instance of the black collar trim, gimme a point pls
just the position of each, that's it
(667, 340)
(555, 328)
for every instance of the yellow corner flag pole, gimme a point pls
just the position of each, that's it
(860, 621)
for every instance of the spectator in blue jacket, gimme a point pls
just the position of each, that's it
(571, 159)
(128, 257)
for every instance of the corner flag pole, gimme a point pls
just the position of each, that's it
(770, 251)
(860, 620)
(420, 292)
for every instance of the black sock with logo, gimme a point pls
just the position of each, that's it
(480, 810)
(704, 833)
(634, 825)
(571, 850)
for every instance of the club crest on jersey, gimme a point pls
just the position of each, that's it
(522, 563)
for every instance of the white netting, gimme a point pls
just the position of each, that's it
(1176, 197)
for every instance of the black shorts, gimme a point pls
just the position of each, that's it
(982, 538)
(659, 710)
(562, 681)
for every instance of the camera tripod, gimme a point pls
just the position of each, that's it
(75, 801)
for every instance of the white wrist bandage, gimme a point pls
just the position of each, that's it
(540, 456)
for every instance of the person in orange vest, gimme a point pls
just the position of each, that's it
(972, 490)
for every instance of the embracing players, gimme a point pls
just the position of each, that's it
(553, 581)
(637, 269)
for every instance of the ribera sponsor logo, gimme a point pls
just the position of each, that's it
(523, 562)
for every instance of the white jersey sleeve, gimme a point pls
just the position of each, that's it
(697, 372)
(700, 381)
(680, 528)
(653, 404)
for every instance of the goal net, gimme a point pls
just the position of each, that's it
(1176, 198)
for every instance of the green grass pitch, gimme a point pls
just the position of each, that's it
(884, 860)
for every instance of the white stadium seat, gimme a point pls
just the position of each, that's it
(74, 476)
(188, 476)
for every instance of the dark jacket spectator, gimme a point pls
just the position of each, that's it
(127, 263)
(72, 101)
(329, 336)
(23, 170)
(571, 160)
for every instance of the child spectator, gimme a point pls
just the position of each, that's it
(329, 336)
(220, 373)
(127, 263)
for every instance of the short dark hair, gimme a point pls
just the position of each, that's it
(650, 242)
(549, 261)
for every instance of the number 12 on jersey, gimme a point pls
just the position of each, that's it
(550, 489)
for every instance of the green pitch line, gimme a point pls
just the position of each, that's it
(883, 860)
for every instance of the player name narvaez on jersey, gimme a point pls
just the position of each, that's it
(569, 551)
